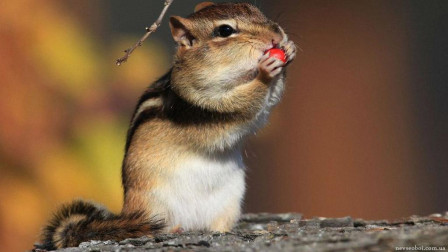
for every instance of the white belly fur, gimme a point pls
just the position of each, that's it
(200, 190)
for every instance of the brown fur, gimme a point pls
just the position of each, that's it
(187, 121)
(215, 88)
(83, 221)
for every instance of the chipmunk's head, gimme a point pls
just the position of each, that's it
(219, 47)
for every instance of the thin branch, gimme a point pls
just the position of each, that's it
(149, 30)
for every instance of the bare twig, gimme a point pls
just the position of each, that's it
(149, 30)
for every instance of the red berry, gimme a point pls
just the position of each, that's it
(277, 53)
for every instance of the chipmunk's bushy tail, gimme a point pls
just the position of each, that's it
(82, 221)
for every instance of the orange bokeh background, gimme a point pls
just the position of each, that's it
(361, 130)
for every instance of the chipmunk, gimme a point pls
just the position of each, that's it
(183, 168)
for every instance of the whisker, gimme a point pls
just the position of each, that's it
(278, 16)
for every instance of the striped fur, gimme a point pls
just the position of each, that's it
(183, 153)
(84, 221)
(183, 159)
(152, 93)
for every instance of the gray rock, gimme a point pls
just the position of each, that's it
(267, 217)
(337, 222)
(289, 232)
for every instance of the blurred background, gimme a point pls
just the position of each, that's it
(362, 129)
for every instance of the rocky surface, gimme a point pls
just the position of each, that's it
(289, 232)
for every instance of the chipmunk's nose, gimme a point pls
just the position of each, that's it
(277, 35)
(276, 40)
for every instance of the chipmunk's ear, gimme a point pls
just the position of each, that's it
(202, 5)
(180, 29)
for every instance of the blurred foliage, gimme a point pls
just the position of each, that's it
(64, 113)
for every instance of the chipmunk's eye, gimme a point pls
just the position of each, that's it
(224, 31)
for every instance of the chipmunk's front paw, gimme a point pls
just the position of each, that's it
(290, 49)
(269, 68)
